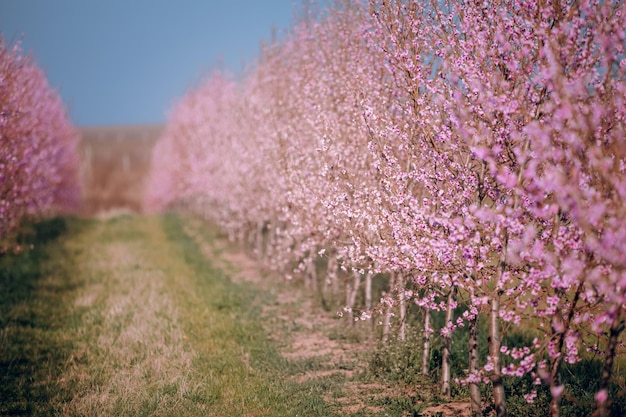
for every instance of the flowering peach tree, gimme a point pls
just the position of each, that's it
(475, 153)
(38, 146)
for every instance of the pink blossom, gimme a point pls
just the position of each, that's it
(530, 397)
(38, 146)
(601, 396)
(495, 167)
(557, 391)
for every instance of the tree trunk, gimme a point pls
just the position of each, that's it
(617, 326)
(555, 381)
(499, 398)
(426, 343)
(311, 274)
(351, 294)
(447, 346)
(368, 302)
(368, 291)
(270, 241)
(560, 333)
(401, 281)
(474, 365)
(388, 309)
(251, 238)
(259, 241)
(331, 275)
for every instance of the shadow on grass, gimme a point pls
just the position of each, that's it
(34, 288)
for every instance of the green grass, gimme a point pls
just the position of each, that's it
(33, 316)
(126, 317)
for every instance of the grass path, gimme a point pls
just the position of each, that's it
(159, 316)
(126, 316)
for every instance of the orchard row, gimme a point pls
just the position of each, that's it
(38, 146)
(474, 152)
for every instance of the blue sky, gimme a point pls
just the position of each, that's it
(127, 61)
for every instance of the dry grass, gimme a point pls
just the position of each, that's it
(140, 349)
(124, 316)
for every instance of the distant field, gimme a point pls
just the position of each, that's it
(115, 161)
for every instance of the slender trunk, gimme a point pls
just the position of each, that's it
(474, 365)
(271, 240)
(426, 342)
(334, 278)
(447, 346)
(558, 331)
(388, 309)
(499, 398)
(351, 294)
(368, 302)
(368, 291)
(617, 326)
(402, 290)
(555, 364)
(331, 275)
(251, 237)
(348, 298)
(311, 274)
(259, 241)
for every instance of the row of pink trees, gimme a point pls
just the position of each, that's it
(38, 145)
(473, 152)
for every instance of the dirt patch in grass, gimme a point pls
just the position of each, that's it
(307, 344)
(454, 409)
(358, 399)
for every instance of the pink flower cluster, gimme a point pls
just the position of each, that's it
(475, 151)
(38, 145)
